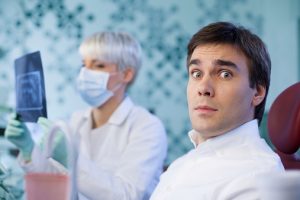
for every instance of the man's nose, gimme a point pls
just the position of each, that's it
(206, 87)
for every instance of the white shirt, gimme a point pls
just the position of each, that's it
(122, 159)
(221, 168)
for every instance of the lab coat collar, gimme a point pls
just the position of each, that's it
(248, 129)
(121, 113)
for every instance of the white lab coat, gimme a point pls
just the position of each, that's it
(221, 168)
(122, 159)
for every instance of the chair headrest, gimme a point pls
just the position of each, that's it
(284, 120)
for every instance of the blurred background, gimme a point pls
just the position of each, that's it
(56, 28)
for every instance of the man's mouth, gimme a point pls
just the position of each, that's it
(205, 109)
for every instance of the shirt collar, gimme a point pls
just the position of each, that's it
(248, 129)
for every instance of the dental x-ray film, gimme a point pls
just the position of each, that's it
(30, 88)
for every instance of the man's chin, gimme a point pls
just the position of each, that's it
(209, 131)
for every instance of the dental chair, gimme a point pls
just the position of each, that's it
(284, 126)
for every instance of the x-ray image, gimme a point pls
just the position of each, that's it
(30, 89)
(30, 96)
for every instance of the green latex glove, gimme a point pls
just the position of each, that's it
(17, 133)
(59, 147)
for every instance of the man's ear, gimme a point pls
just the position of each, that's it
(128, 75)
(259, 95)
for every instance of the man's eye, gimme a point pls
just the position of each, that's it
(196, 74)
(225, 74)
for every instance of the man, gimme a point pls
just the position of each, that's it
(229, 76)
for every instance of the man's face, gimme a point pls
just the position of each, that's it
(218, 91)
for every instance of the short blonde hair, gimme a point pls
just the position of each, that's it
(114, 47)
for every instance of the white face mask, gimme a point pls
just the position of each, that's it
(92, 86)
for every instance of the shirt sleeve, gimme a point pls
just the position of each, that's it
(246, 186)
(243, 188)
(139, 168)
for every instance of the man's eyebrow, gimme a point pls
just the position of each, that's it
(194, 62)
(228, 63)
(217, 63)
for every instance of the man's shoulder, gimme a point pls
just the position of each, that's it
(182, 160)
